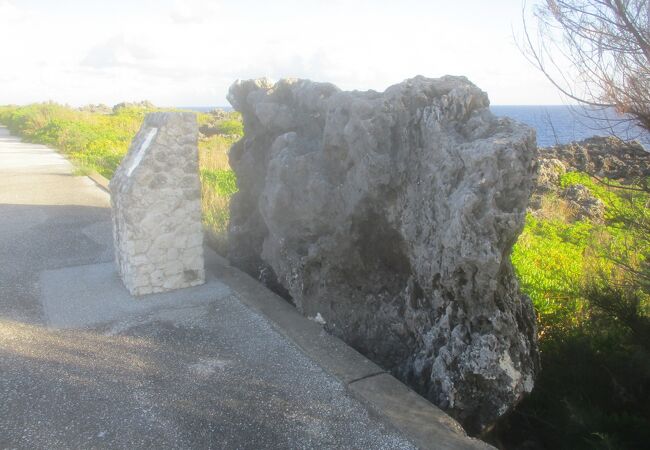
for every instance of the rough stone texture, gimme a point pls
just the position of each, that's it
(156, 207)
(549, 172)
(392, 215)
(583, 204)
(605, 157)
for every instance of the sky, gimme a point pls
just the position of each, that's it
(188, 52)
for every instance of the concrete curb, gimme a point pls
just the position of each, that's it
(416, 418)
(100, 181)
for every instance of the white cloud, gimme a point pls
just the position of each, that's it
(193, 11)
(9, 13)
(117, 52)
(189, 52)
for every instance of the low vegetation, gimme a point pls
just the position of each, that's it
(594, 390)
(590, 284)
(96, 138)
(589, 281)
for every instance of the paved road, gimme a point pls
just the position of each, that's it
(82, 365)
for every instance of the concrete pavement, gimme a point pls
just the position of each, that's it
(224, 365)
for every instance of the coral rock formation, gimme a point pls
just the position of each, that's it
(391, 216)
(606, 157)
(603, 157)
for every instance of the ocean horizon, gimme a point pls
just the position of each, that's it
(561, 124)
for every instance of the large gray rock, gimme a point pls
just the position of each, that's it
(156, 207)
(391, 216)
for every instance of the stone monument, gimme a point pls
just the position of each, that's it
(156, 207)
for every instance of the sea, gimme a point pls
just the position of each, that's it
(561, 124)
(555, 124)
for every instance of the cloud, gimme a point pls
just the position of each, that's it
(10, 13)
(317, 64)
(190, 51)
(193, 11)
(117, 52)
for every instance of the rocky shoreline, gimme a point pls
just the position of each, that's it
(606, 158)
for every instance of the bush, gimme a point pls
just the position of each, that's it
(548, 259)
(230, 127)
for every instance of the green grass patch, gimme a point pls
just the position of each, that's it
(224, 182)
(231, 127)
(548, 259)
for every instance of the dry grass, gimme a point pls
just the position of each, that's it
(213, 156)
(554, 208)
(216, 213)
(213, 153)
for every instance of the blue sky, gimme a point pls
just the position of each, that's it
(188, 52)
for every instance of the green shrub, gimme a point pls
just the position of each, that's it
(221, 123)
(230, 127)
(548, 259)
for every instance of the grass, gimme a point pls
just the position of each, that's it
(548, 259)
(555, 255)
(97, 142)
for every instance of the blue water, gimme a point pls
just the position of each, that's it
(554, 124)
(562, 124)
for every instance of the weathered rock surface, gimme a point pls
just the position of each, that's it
(392, 215)
(605, 157)
(549, 172)
(156, 207)
(583, 204)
